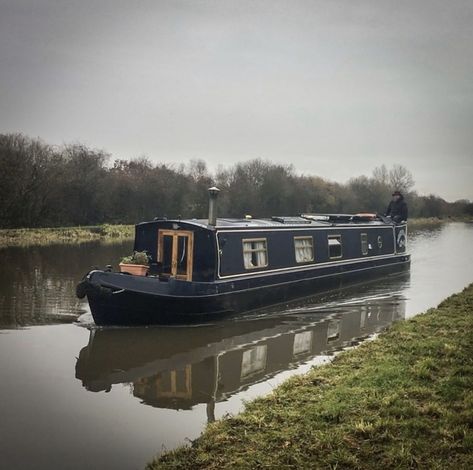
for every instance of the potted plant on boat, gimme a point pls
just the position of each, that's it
(136, 264)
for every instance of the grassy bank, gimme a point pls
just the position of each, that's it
(429, 222)
(425, 222)
(404, 400)
(46, 236)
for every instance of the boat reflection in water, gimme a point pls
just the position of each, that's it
(179, 367)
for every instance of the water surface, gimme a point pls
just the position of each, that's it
(75, 396)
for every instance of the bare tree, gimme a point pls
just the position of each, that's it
(42, 185)
(400, 178)
(381, 175)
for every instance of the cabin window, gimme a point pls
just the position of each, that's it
(335, 246)
(333, 330)
(304, 247)
(255, 253)
(364, 243)
(253, 360)
(302, 343)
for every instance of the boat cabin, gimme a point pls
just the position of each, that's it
(194, 250)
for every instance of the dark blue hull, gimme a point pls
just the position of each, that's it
(118, 299)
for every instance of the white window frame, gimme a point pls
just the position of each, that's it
(337, 237)
(302, 342)
(253, 361)
(306, 237)
(251, 240)
(333, 330)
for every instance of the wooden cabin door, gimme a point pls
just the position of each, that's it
(175, 252)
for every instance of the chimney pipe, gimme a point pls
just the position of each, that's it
(213, 193)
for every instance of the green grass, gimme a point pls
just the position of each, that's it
(404, 400)
(47, 236)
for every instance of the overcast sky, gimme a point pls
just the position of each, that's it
(335, 87)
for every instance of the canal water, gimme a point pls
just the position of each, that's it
(74, 396)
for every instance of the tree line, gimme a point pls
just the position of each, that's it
(45, 186)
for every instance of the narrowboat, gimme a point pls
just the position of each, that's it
(207, 268)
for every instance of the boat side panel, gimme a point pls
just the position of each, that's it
(134, 308)
(146, 239)
(281, 251)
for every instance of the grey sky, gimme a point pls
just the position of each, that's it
(335, 87)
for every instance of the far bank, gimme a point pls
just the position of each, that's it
(111, 232)
(64, 235)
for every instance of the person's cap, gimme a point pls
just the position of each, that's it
(396, 193)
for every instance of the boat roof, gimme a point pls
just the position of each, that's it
(305, 220)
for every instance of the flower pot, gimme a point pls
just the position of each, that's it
(135, 269)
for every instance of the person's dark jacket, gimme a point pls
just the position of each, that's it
(397, 210)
